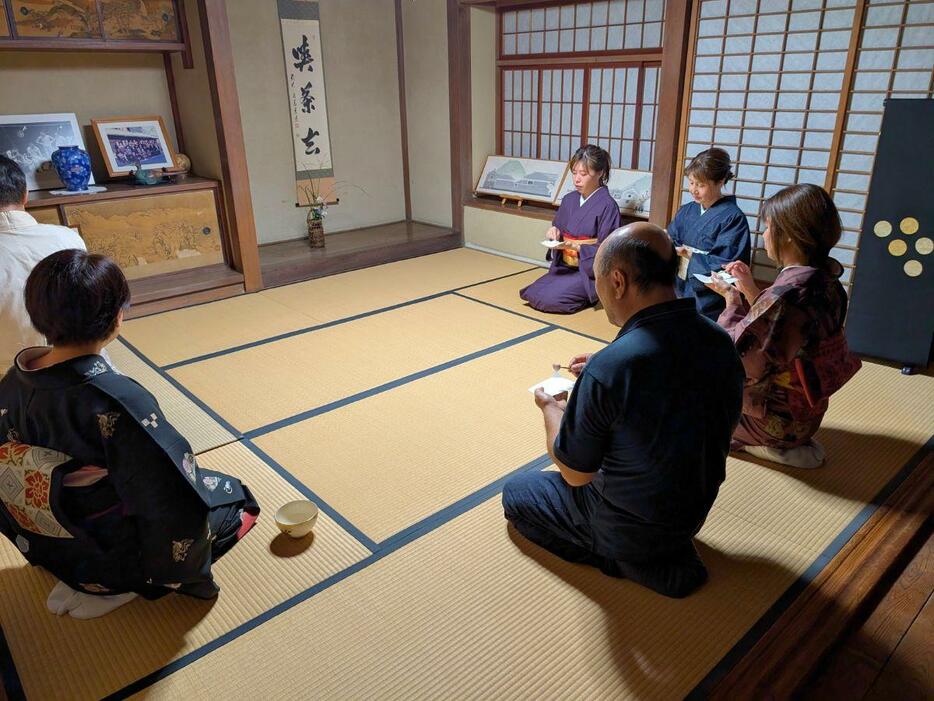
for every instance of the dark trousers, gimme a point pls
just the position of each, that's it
(554, 515)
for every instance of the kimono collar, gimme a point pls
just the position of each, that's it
(680, 307)
(731, 199)
(800, 273)
(65, 374)
(13, 219)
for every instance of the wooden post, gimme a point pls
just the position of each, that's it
(674, 58)
(459, 108)
(237, 197)
(403, 118)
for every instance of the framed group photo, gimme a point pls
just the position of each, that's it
(128, 143)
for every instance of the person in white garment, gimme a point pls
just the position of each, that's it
(23, 243)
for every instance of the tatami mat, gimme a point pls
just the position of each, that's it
(505, 293)
(193, 331)
(466, 613)
(263, 384)
(195, 424)
(61, 658)
(390, 460)
(875, 424)
(189, 333)
(359, 291)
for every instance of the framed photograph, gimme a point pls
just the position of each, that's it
(31, 139)
(522, 178)
(128, 143)
(632, 190)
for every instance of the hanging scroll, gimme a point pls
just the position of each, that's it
(304, 73)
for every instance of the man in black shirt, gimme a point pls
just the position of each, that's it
(641, 445)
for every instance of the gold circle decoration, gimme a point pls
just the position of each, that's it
(898, 247)
(913, 268)
(924, 245)
(909, 225)
(882, 229)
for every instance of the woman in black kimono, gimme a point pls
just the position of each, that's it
(95, 485)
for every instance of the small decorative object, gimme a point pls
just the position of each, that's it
(73, 166)
(317, 211)
(131, 143)
(31, 139)
(182, 166)
(147, 176)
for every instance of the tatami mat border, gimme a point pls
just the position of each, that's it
(336, 322)
(181, 388)
(323, 409)
(532, 318)
(389, 546)
(745, 644)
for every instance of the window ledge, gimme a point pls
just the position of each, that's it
(543, 212)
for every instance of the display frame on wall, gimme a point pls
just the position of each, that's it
(46, 133)
(112, 134)
(530, 166)
(632, 190)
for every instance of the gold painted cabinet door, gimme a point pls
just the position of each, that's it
(153, 234)
(53, 19)
(140, 20)
(46, 215)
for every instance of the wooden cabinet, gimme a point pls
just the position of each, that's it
(133, 25)
(148, 231)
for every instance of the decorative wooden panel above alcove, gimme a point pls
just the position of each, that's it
(109, 25)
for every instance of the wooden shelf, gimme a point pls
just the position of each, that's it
(30, 44)
(158, 293)
(534, 211)
(119, 190)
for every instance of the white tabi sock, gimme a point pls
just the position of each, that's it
(63, 599)
(807, 456)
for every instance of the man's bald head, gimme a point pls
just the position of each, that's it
(644, 252)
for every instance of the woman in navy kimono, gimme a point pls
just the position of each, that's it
(586, 217)
(790, 335)
(709, 232)
(97, 487)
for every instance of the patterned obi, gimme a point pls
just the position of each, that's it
(572, 258)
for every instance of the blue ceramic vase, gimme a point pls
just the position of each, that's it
(73, 166)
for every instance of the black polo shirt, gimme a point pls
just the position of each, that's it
(653, 414)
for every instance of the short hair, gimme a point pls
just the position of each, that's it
(74, 297)
(595, 158)
(712, 166)
(805, 215)
(12, 182)
(638, 259)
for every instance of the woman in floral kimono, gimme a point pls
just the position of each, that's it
(586, 217)
(790, 335)
(95, 484)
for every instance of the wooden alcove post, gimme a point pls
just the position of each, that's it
(238, 201)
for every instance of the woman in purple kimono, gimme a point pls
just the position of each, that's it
(709, 232)
(790, 335)
(586, 217)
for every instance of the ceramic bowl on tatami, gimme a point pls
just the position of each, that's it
(297, 518)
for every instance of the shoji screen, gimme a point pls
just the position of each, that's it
(895, 59)
(766, 87)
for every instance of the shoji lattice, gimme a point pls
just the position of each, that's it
(520, 112)
(766, 87)
(562, 112)
(895, 59)
(584, 27)
(622, 106)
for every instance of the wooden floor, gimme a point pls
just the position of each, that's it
(292, 261)
(891, 654)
